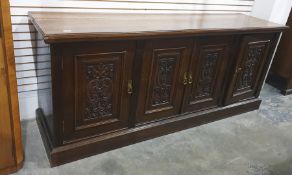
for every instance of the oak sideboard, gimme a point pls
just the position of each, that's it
(118, 79)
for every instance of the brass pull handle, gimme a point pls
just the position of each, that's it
(190, 78)
(238, 70)
(130, 87)
(185, 80)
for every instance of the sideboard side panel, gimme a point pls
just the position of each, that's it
(44, 80)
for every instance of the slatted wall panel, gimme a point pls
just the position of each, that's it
(25, 41)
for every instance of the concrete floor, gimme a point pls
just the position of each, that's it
(255, 143)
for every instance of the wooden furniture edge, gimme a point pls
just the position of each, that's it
(43, 129)
(85, 148)
(12, 87)
(55, 38)
(280, 75)
(287, 92)
(279, 83)
(12, 169)
(77, 37)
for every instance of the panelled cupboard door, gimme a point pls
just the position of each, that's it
(206, 73)
(254, 51)
(161, 82)
(100, 74)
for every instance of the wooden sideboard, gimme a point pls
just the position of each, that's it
(280, 75)
(11, 151)
(118, 79)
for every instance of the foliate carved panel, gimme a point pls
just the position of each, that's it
(163, 81)
(99, 91)
(160, 89)
(207, 74)
(254, 55)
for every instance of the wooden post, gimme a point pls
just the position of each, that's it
(11, 151)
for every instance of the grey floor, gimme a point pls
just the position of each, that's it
(254, 143)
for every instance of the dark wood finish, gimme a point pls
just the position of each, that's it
(280, 75)
(95, 82)
(253, 55)
(11, 153)
(93, 26)
(161, 81)
(112, 89)
(78, 150)
(206, 73)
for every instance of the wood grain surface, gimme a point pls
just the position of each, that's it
(11, 152)
(64, 27)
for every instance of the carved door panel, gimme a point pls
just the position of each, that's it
(161, 82)
(248, 74)
(206, 73)
(95, 81)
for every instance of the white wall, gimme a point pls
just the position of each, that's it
(24, 41)
(272, 10)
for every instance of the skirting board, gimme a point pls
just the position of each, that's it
(85, 148)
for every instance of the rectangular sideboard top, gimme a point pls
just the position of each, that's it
(65, 27)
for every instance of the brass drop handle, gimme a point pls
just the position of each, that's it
(190, 77)
(238, 70)
(130, 87)
(185, 80)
